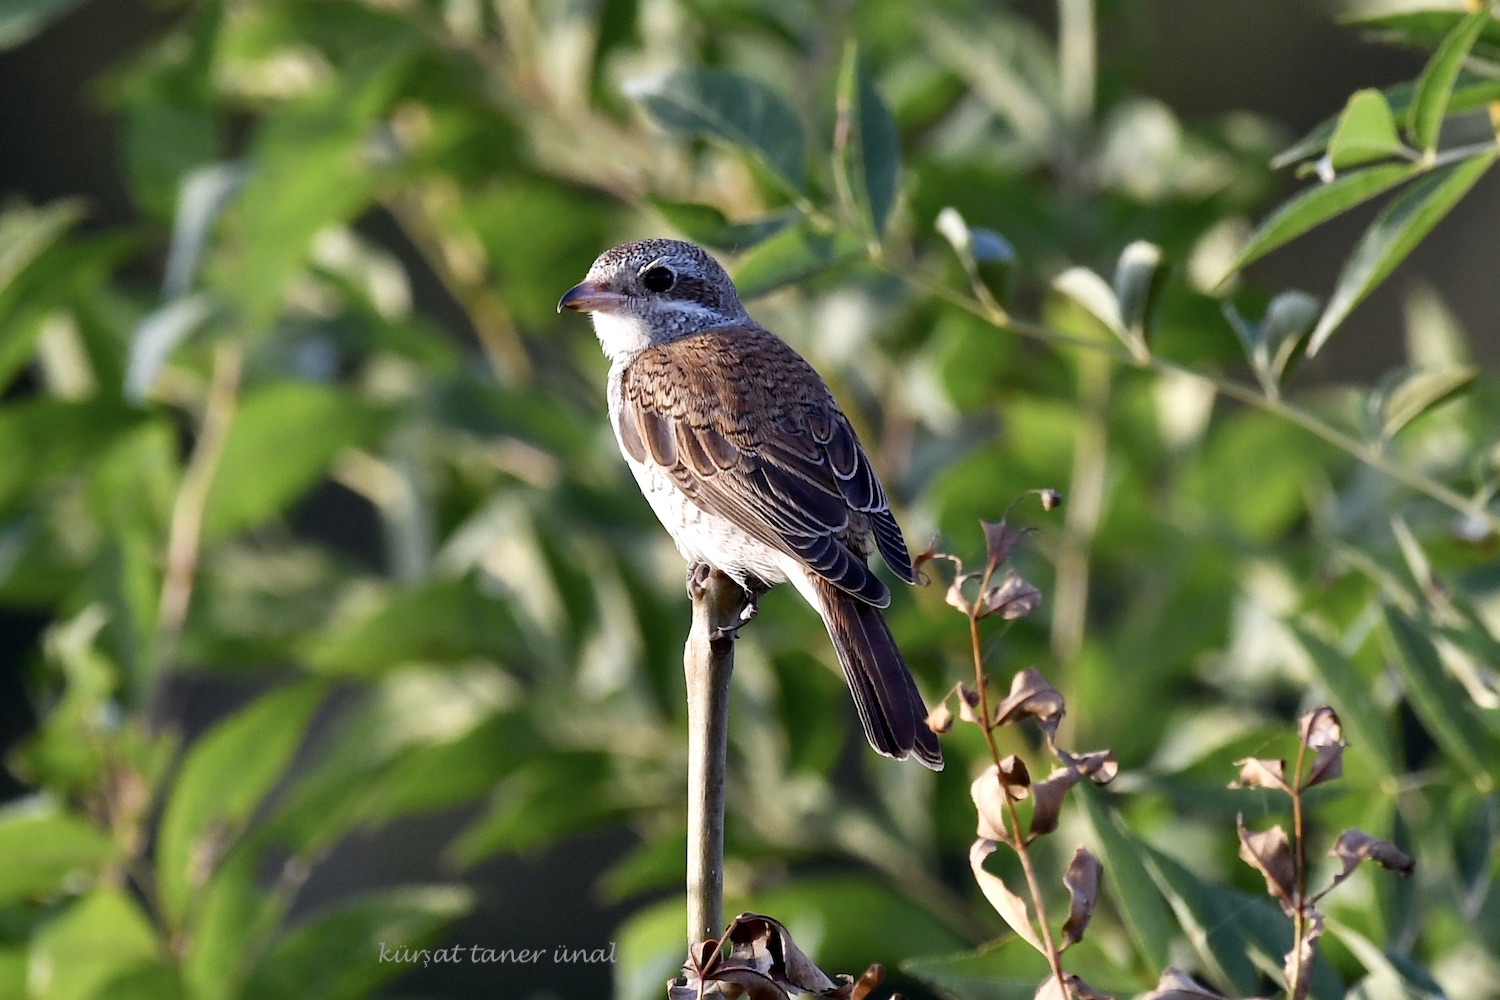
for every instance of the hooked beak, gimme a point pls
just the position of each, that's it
(589, 297)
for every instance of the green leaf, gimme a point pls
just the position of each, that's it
(1010, 969)
(347, 951)
(1318, 204)
(223, 778)
(1429, 29)
(708, 226)
(561, 793)
(867, 148)
(1366, 131)
(156, 336)
(22, 20)
(443, 621)
(1435, 85)
(45, 848)
(1348, 691)
(1472, 91)
(230, 914)
(791, 256)
(41, 438)
(734, 109)
(310, 167)
(1408, 393)
(282, 440)
(92, 943)
(1395, 234)
(26, 232)
(1147, 917)
(1441, 703)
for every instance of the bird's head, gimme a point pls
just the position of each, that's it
(651, 292)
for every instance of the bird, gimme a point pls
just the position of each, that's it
(747, 460)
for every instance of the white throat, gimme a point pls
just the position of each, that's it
(626, 334)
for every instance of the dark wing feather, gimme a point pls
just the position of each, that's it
(748, 431)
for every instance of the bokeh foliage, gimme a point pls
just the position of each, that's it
(362, 215)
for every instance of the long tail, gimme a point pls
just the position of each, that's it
(889, 704)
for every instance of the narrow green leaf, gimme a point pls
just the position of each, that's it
(1318, 204)
(26, 232)
(1288, 319)
(869, 152)
(1366, 131)
(708, 226)
(347, 951)
(1415, 391)
(282, 440)
(1395, 234)
(43, 847)
(22, 20)
(742, 112)
(792, 255)
(1349, 692)
(1472, 91)
(1435, 85)
(1146, 915)
(223, 778)
(1445, 708)
(93, 942)
(1428, 29)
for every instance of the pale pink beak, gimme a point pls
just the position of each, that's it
(589, 297)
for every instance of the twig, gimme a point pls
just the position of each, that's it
(1299, 913)
(708, 663)
(186, 532)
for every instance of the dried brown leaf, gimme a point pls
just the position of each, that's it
(989, 791)
(1082, 880)
(1051, 499)
(1073, 988)
(1261, 772)
(1099, 766)
(1000, 540)
(940, 719)
(1321, 733)
(762, 963)
(921, 559)
(1354, 846)
(968, 701)
(1012, 908)
(1177, 985)
(1299, 961)
(1030, 694)
(868, 983)
(955, 595)
(1012, 598)
(1270, 853)
(1047, 799)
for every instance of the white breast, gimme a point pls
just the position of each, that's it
(699, 535)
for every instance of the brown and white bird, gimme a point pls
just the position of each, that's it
(749, 463)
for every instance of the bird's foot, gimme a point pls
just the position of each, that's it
(697, 579)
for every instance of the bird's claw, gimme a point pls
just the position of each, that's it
(697, 579)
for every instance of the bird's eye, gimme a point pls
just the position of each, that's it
(658, 279)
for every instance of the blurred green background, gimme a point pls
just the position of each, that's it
(330, 617)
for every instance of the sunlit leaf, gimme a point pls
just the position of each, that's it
(735, 109)
(1430, 28)
(1094, 294)
(708, 226)
(1412, 393)
(1395, 234)
(1366, 131)
(1320, 203)
(223, 778)
(1015, 910)
(91, 943)
(1270, 853)
(871, 151)
(1138, 280)
(157, 336)
(790, 256)
(282, 440)
(44, 847)
(1435, 85)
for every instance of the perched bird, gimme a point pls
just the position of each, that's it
(749, 463)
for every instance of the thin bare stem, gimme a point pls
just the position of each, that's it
(708, 663)
(1299, 914)
(1017, 835)
(184, 536)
